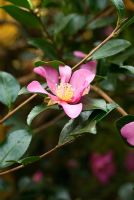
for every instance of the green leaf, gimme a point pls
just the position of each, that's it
(75, 24)
(44, 45)
(9, 88)
(14, 147)
(119, 59)
(124, 120)
(23, 90)
(22, 3)
(24, 17)
(85, 123)
(28, 160)
(101, 22)
(62, 22)
(50, 3)
(65, 133)
(129, 68)
(54, 63)
(36, 111)
(127, 23)
(91, 104)
(111, 48)
(120, 8)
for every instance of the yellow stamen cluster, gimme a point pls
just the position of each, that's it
(65, 91)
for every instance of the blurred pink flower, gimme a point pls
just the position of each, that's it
(72, 164)
(127, 131)
(69, 90)
(79, 54)
(37, 177)
(108, 30)
(103, 166)
(129, 161)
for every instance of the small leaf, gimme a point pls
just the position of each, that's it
(36, 111)
(22, 3)
(28, 160)
(91, 104)
(24, 17)
(111, 48)
(85, 123)
(9, 88)
(127, 23)
(101, 22)
(64, 135)
(54, 63)
(73, 125)
(120, 8)
(14, 147)
(129, 68)
(44, 45)
(23, 90)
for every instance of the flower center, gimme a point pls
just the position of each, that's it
(64, 91)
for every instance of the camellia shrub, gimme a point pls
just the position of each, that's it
(66, 99)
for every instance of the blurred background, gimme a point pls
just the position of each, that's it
(95, 167)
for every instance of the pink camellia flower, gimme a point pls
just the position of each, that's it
(67, 90)
(102, 166)
(37, 177)
(127, 131)
(129, 161)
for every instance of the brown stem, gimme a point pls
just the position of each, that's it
(96, 48)
(17, 108)
(44, 126)
(108, 99)
(41, 156)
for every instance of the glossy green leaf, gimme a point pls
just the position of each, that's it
(127, 23)
(129, 68)
(54, 63)
(111, 48)
(14, 147)
(91, 104)
(120, 8)
(85, 123)
(23, 90)
(44, 45)
(9, 88)
(22, 3)
(101, 22)
(37, 110)
(65, 133)
(29, 160)
(24, 17)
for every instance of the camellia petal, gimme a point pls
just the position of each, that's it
(36, 87)
(40, 71)
(80, 80)
(72, 111)
(51, 76)
(79, 54)
(127, 131)
(91, 67)
(65, 73)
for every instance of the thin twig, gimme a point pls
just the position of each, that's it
(41, 156)
(44, 126)
(108, 99)
(17, 108)
(88, 56)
